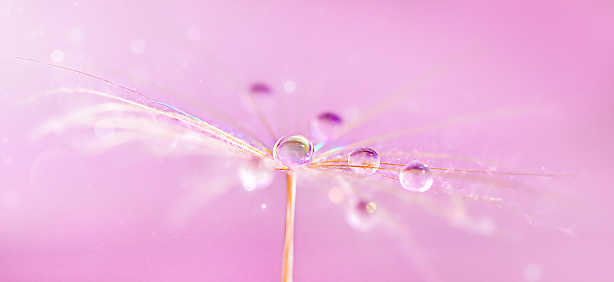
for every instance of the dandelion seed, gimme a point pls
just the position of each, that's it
(382, 172)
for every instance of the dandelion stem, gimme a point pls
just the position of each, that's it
(286, 275)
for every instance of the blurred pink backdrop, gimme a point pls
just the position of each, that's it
(65, 215)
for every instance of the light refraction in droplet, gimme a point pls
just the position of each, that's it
(294, 151)
(364, 161)
(416, 177)
(362, 215)
(254, 174)
(325, 125)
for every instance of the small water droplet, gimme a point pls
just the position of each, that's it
(325, 125)
(364, 161)
(362, 215)
(263, 206)
(104, 129)
(294, 151)
(255, 174)
(416, 177)
(260, 88)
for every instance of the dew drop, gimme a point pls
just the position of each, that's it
(104, 129)
(416, 177)
(362, 215)
(325, 125)
(254, 174)
(294, 151)
(364, 161)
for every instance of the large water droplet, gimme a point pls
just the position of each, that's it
(294, 151)
(255, 174)
(416, 177)
(364, 161)
(362, 215)
(325, 125)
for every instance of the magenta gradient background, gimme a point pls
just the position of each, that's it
(71, 216)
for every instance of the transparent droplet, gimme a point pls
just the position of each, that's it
(416, 177)
(362, 215)
(364, 161)
(294, 151)
(255, 174)
(325, 125)
(104, 129)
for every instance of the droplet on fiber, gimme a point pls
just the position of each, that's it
(364, 161)
(416, 177)
(294, 151)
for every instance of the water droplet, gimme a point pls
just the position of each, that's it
(255, 174)
(263, 206)
(362, 215)
(324, 126)
(294, 151)
(104, 129)
(416, 177)
(260, 88)
(364, 161)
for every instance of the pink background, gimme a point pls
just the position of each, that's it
(65, 215)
